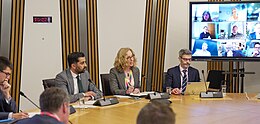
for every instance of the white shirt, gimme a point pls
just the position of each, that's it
(76, 88)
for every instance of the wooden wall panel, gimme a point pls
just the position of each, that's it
(69, 28)
(16, 45)
(154, 44)
(92, 44)
(70, 34)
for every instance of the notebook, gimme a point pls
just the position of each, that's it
(194, 88)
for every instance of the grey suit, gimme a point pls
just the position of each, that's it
(117, 80)
(65, 81)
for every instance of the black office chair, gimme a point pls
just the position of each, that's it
(216, 79)
(164, 81)
(105, 84)
(47, 83)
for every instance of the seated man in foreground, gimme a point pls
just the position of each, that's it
(156, 113)
(54, 103)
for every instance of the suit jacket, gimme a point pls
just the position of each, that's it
(173, 77)
(203, 35)
(117, 80)
(39, 119)
(6, 108)
(65, 81)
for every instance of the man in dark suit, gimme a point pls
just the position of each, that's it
(175, 76)
(7, 104)
(54, 103)
(76, 80)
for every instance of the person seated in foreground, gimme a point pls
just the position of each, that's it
(8, 109)
(54, 103)
(156, 113)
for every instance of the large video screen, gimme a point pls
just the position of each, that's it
(225, 30)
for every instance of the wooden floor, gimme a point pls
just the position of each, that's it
(232, 109)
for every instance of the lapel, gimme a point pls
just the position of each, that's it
(71, 82)
(135, 76)
(189, 74)
(178, 76)
(84, 80)
(121, 79)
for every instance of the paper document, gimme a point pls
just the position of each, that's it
(141, 93)
(122, 96)
(84, 106)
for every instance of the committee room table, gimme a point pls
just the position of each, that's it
(189, 109)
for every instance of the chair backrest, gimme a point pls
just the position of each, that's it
(47, 83)
(215, 77)
(164, 81)
(105, 84)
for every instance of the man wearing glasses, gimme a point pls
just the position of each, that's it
(178, 76)
(7, 104)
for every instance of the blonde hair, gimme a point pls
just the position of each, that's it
(121, 60)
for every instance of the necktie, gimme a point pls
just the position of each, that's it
(79, 84)
(184, 81)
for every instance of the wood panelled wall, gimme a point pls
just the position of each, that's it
(155, 31)
(16, 46)
(70, 34)
(69, 28)
(92, 44)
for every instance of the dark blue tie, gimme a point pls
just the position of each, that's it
(184, 81)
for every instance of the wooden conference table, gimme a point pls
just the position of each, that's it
(189, 109)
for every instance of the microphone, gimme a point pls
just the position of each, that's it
(209, 94)
(104, 101)
(202, 71)
(22, 94)
(98, 89)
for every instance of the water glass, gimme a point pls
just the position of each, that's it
(81, 101)
(169, 90)
(224, 89)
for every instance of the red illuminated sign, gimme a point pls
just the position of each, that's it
(42, 19)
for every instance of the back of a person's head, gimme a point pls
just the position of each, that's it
(4, 62)
(156, 113)
(73, 57)
(52, 99)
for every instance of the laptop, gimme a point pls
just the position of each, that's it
(194, 88)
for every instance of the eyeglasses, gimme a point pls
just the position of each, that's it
(130, 57)
(186, 59)
(6, 73)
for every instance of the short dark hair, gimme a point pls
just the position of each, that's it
(156, 113)
(74, 57)
(184, 52)
(52, 99)
(4, 63)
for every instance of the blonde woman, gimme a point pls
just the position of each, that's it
(124, 77)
